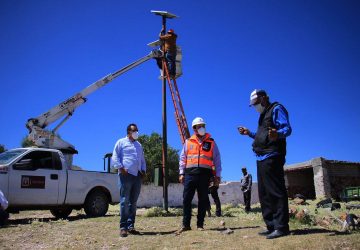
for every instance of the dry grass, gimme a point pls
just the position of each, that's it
(38, 229)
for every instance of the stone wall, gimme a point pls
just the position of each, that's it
(229, 192)
(330, 177)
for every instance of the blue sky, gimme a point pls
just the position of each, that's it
(305, 54)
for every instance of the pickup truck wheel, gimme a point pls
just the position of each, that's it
(96, 204)
(61, 213)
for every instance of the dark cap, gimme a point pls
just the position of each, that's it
(243, 169)
(255, 95)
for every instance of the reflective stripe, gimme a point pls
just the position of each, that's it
(200, 166)
(201, 156)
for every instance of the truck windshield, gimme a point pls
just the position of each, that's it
(10, 155)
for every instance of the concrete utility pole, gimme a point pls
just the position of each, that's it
(164, 15)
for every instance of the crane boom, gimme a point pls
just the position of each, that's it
(45, 138)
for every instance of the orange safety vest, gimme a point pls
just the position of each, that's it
(200, 155)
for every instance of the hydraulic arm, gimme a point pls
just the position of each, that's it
(37, 126)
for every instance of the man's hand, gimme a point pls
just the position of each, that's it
(243, 131)
(142, 174)
(181, 179)
(123, 171)
(273, 134)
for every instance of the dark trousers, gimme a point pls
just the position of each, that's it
(272, 193)
(3, 217)
(214, 194)
(192, 183)
(247, 200)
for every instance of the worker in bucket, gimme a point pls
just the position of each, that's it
(169, 48)
(128, 158)
(270, 148)
(198, 157)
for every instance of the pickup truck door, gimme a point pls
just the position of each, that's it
(35, 178)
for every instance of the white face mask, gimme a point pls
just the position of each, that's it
(201, 131)
(135, 135)
(259, 108)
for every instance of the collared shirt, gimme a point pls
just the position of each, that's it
(129, 154)
(216, 159)
(246, 182)
(3, 202)
(282, 125)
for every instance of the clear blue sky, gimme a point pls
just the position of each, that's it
(305, 54)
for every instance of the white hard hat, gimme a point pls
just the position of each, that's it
(255, 95)
(198, 121)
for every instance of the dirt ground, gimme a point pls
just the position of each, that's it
(39, 230)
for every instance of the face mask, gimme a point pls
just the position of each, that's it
(135, 135)
(201, 131)
(259, 108)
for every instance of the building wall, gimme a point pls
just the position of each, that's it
(300, 182)
(229, 192)
(330, 177)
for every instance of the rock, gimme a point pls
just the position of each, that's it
(292, 211)
(222, 223)
(227, 231)
(300, 215)
(342, 217)
(299, 201)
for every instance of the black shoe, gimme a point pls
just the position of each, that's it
(183, 229)
(277, 234)
(218, 214)
(266, 232)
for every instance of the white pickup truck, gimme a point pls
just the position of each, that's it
(38, 178)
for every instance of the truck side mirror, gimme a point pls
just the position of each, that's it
(24, 164)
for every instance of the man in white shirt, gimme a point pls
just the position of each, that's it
(128, 158)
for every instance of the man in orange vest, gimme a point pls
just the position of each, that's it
(198, 157)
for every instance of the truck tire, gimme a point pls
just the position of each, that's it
(61, 213)
(96, 204)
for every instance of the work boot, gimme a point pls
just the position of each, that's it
(123, 233)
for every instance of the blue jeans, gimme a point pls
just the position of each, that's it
(130, 187)
(192, 183)
(170, 58)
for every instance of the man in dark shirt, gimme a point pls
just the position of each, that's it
(270, 148)
(169, 48)
(246, 183)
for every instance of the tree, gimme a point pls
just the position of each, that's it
(152, 146)
(2, 148)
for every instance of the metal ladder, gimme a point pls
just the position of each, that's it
(180, 117)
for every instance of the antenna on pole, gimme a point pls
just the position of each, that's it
(164, 15)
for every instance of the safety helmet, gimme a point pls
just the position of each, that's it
(255, 95)
(197, 121)
(170, 31)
